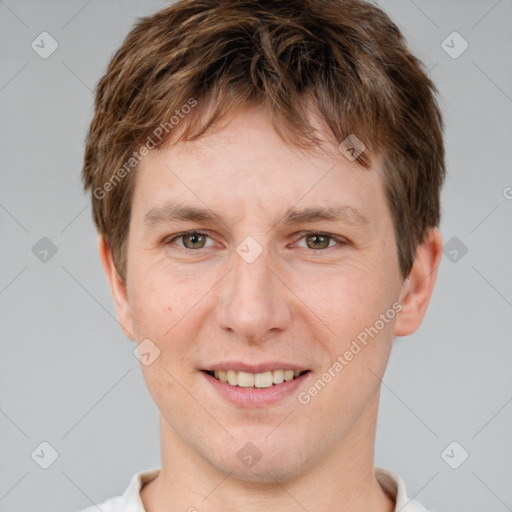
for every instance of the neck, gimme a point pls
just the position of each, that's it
(340, 480)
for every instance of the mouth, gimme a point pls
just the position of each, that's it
(266, 379)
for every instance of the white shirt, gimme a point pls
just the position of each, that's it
(130, 501)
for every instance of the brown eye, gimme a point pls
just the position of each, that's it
(193, 240)
(316, 241)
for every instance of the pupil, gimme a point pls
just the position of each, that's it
(319, 241)
(194, 238)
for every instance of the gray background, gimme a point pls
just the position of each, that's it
(68, 376)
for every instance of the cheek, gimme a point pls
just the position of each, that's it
(161, 297)
(349, 298)
(358, 304)
(164, 312)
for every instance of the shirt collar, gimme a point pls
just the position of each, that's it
(391, 482)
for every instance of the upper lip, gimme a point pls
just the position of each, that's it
(240, 366)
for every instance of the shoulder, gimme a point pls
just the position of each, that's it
(130, 501)
(115, 504)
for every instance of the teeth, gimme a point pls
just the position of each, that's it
(278, 376)
(245, 380)
(232, 377)
(263, 380)
(258, 380)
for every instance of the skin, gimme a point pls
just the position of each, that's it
(294, 303)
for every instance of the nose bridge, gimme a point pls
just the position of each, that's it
(252, 301)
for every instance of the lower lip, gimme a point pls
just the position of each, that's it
(256, 397)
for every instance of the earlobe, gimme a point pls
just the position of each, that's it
(418, 287)
(117, 288)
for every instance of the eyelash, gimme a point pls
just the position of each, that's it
(171, 240)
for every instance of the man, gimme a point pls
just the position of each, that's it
(265, 178)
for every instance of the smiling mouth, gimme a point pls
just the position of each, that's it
(255, 380)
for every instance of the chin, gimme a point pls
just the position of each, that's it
(261, 460)
(268, 471)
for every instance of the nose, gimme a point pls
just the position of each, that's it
(253, 302)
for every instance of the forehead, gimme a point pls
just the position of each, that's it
(246, 168)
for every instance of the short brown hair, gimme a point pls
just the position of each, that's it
(343, 59)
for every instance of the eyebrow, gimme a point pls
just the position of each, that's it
(169, 213)
(346, 214)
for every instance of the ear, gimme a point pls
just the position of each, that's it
(118, 289)
(417, 288)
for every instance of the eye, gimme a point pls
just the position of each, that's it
(193, 240)
(190, 240)
(319, 241)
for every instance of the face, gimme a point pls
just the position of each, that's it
(245, 254)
